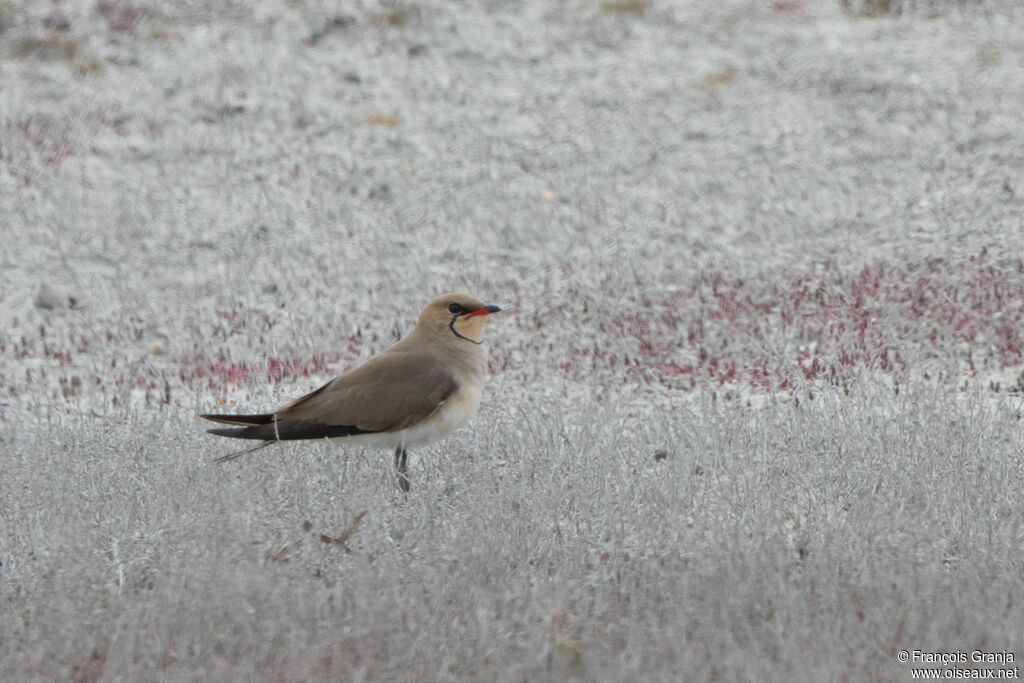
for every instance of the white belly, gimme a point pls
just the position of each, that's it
(449, 416)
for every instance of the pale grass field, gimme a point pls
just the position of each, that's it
(755, 403)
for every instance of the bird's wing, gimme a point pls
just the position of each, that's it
(386, 394)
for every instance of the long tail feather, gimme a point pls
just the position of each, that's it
(241, 420)
(261, 432)
(239, 454)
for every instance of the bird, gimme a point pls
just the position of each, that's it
(416, 392)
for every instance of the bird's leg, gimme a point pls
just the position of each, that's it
(401, 460)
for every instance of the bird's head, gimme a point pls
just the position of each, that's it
(457, 314)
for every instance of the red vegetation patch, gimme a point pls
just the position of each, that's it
(37, 138)
(776, 329)
(220, 373)
(121, 17)
(938, 319)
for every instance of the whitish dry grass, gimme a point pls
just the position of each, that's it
(550, 540)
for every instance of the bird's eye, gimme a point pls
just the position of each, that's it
(454, 308)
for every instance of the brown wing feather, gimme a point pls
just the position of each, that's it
(386, 394)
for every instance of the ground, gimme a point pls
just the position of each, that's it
(755, 400)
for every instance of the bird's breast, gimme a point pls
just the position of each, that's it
(459, 407)
(456, 411)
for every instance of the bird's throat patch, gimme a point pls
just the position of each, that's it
(460, 335)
